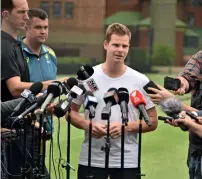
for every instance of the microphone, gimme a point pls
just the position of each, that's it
(123, 102)
(139, 102)
(33, 107)
(54, 90)
(85, 72)
(29, 96)
(110, 98)
(172, 107)
(67, 85)
(90, 103)
(16, 122)
(63, 106)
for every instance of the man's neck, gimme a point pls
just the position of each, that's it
(8, 29)
(35, 48)
(114, 70)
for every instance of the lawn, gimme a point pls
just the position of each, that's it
(164, 151)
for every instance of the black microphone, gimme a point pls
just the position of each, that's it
(33, 107)
(85, 72)
(16, 122)
(54, 90)
(123, 102)
(111, 98)
(29, 96)
(90, 103)
(68, 84)
(64, 105)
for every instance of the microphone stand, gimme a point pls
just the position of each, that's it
(23, 169)
(107, 146)
(139, 174)
(40, 153)
(90, 175)
(33, 118)
(44, 146)
(67, 167)
(124, 123)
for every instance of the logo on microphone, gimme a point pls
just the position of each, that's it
(92, 85)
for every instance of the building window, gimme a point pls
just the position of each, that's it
(191, 42)
(69, 9)
(191, 19)
(45, 6)
(57, 7)
(196, 2)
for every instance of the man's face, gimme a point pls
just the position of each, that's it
(37, 30)
(117, 48)
(18, 17)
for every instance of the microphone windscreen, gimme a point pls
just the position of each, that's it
(123, 95)
(70, 83)
(171, 106)
(36, 88)
(137, 98)
(85, 72)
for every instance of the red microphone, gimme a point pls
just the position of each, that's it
(139, 102)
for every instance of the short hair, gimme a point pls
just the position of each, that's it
(7, 5)
(118, 29)
(37, 12)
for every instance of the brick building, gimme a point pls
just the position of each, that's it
(188, 23)
(77, 26)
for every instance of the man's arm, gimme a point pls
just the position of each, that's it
(163, 94)
(8, 107)
(191, 124)
(98, 130)
(134, 126)
(191, 73)
(16, 86)
(116, 127)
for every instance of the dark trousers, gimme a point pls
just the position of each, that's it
(113, 173)
(195, 166)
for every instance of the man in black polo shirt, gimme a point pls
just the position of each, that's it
(14, 70)
(13, 66)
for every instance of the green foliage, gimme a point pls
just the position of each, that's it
(163, 55)
(137, 56)
(72, 60)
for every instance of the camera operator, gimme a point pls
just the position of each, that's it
(191, 81)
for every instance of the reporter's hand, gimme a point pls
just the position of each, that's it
(98, 130)
(184, 86)
(63, 79)
(159, 95)
(115, 130)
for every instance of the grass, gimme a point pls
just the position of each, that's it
(164, 151)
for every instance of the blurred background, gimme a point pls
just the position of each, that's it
(165, 34)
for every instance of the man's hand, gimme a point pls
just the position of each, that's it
(184, 86)
(115, 130)
(160, 95)
(63, 79)
(98, 130)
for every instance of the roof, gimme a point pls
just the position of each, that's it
(191, 33)
(124, 17)
(147, 22)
